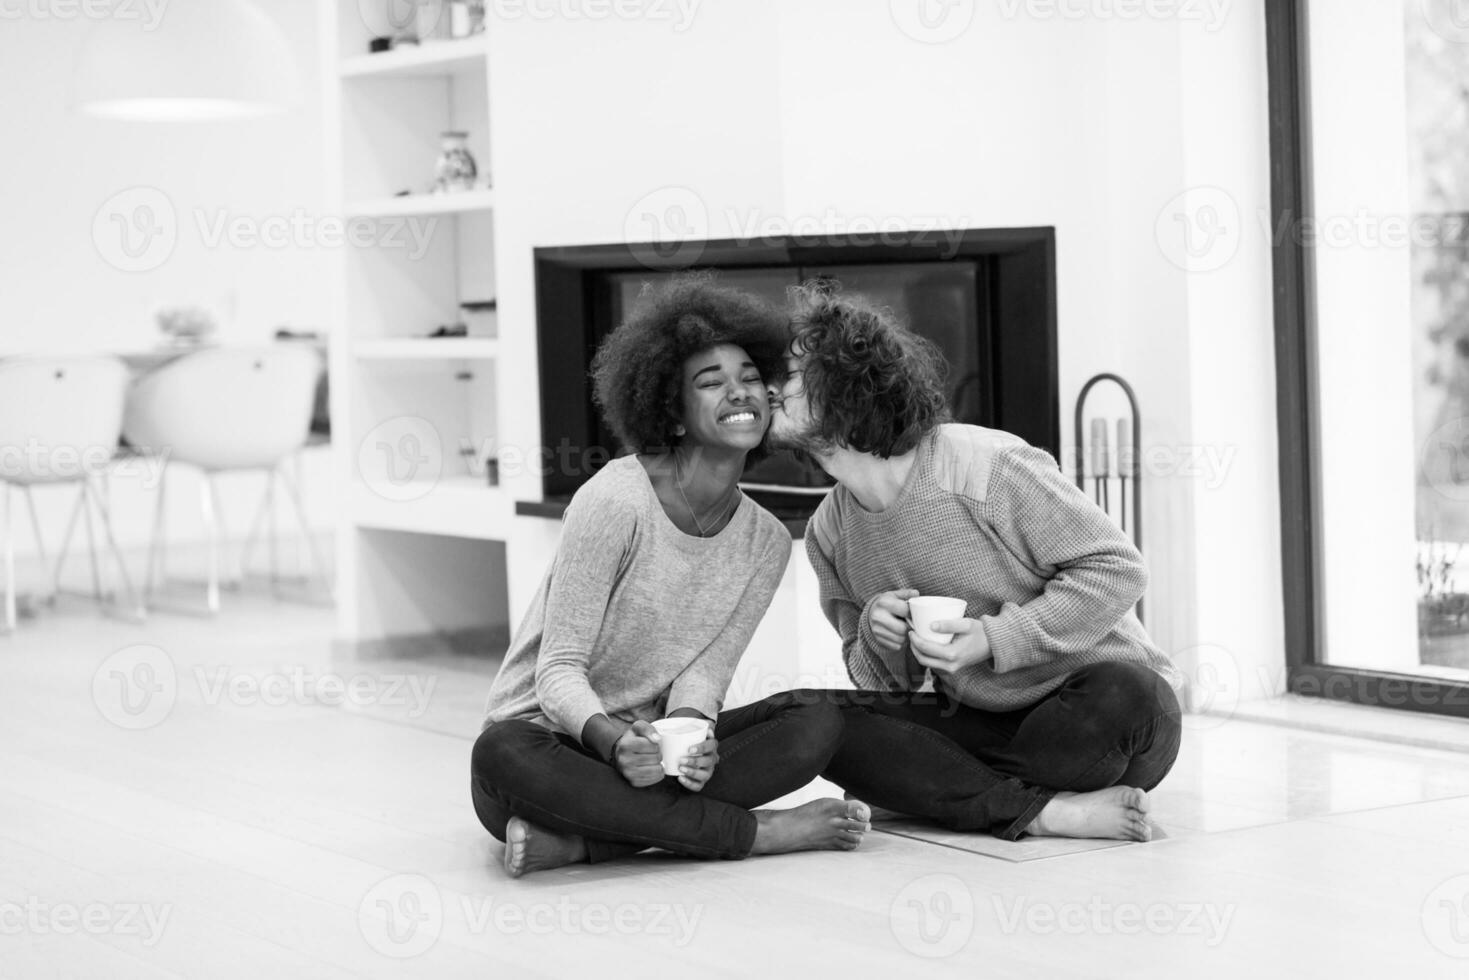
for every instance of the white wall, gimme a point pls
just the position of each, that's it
(59, 288)
(825, 110)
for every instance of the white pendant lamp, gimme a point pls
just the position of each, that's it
(203, 60)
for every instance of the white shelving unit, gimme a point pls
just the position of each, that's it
(423, 540)
(463, 202)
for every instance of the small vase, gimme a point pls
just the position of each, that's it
(455, 169)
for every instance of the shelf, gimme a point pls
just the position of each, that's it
(434, 58)
(456, 507)
(427, 349)
(452, 202)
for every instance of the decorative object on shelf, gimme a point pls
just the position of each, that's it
(430, 20)
(455, 169)
(186, 326)
(379, 44)
(204, 60)
(479, 316)
(461, 18)
(1093, 460)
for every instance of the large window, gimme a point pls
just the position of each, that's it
(1370, 140)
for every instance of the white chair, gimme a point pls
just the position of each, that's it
(221, 410)
(59, 423)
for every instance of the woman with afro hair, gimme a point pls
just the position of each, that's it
(663, 572)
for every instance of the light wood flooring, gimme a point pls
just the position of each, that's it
(181, 799)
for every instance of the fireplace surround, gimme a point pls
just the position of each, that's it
(986, 296)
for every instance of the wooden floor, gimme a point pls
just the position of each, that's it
(189, 798)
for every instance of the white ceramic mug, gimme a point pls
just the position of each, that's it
(926, 609)
(676, 736)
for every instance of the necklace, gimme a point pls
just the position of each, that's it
(728, 507)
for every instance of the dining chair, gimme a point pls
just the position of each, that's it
(221, 410)
(59, 423)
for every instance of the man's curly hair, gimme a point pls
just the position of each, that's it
(872, 385)
(638, 370)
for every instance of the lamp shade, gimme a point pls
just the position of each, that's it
(203, 59)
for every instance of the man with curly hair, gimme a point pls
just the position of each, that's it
(663, 573)
(1051, 711)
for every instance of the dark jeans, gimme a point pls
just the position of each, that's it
(766, 750)
(1112, 724)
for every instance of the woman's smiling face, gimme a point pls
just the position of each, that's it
(724, 401)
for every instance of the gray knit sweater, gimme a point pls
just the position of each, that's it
(635, 618)
(988, 518)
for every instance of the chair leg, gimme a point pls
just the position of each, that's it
(153, 577)
(247, 549)
(40, 542)
(139, 612)
(211, 527)
(71, 527)
(318, 567)
(8, 528)
(92, 545)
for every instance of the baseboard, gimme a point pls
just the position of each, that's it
(1354, 721)
(485, 645)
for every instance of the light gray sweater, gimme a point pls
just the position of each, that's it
(635, 618)
(988, 518)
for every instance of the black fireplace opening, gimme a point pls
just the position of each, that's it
(986, 297)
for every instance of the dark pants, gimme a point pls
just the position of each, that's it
(1113, 724)
(766, 750)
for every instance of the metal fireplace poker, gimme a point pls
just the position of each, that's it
(1094, 458)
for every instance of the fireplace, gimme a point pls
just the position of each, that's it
(987, 297)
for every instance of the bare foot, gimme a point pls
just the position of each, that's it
(1115, 813)
(530, 848)
(882, 813)
(821, 825)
